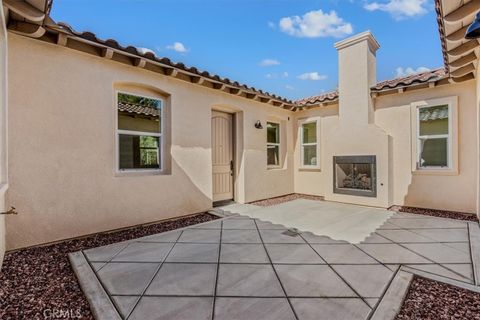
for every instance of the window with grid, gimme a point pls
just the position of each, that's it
(273, 144)
(309, 144)
(139, 132)
(433, 137)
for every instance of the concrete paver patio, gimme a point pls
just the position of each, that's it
(245, 268)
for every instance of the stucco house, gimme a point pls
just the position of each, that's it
(102, 136)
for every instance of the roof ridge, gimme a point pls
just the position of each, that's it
(330, 96)
(419, 77)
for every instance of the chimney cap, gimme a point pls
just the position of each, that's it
(360, 37)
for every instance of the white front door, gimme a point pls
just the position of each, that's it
(222, 156)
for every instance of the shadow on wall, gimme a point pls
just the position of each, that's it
(435, 192)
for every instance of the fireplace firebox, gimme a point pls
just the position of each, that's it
(355, 175)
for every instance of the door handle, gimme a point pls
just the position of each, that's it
(231, 168)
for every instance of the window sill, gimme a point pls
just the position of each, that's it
(140, 173)
(436, 172)
(310, 169)
(275, 168)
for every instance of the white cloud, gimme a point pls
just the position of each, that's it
(289, 87)
(277, 75)
(269, 62)
(177, 46)
(400, 9)
(145, 50)
(403, 72)
(315, 24)
(313, 76)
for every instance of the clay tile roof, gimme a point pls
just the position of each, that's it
(323, 98)
(87, 35)
(417, 78)
(435, 114)
(411, 80)
(138, 109)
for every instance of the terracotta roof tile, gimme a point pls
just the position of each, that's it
(437, 113)
(417, 78)
(441, 31)
(323, 98)
(332, 96)
(87, 35)
(138, 109)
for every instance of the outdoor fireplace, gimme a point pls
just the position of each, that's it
(355, 175)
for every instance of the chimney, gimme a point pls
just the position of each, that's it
(357, 73)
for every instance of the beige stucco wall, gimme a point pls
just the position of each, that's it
(392, 115)
(3, 128)
(313, 181)
(62, 147)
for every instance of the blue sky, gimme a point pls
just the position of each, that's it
(281, 46)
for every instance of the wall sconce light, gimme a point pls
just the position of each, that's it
(258, 125)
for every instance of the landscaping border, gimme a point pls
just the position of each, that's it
(436, 213)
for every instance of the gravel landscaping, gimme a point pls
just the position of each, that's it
(428, 299)
(38, 282)
(436, 213)
(286, 198)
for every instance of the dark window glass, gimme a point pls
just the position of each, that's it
(139, 152)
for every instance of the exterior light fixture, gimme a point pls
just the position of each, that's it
(258, 125)
(473, 31)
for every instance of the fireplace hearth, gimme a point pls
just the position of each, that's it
(355, 175)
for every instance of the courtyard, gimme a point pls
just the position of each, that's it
(316, 263)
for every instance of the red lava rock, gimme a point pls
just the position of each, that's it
(286, 198)
(436, 213)
(429, 299)
(38, 282)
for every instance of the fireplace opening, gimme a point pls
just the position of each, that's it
(355, 175)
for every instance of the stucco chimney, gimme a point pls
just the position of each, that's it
(357, 73)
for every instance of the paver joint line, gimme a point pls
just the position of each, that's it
(216, 272)
(392, 300)
(276, 274)
(474, 241)
(424, 257)
(353, 289)
(153, 277)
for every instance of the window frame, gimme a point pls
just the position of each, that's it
(452, 136)
(301, 123)
(160, 136)
(278, 144)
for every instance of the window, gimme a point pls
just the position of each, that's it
(433, 137)
(273, 144)
(309, 144)
(139, 132)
